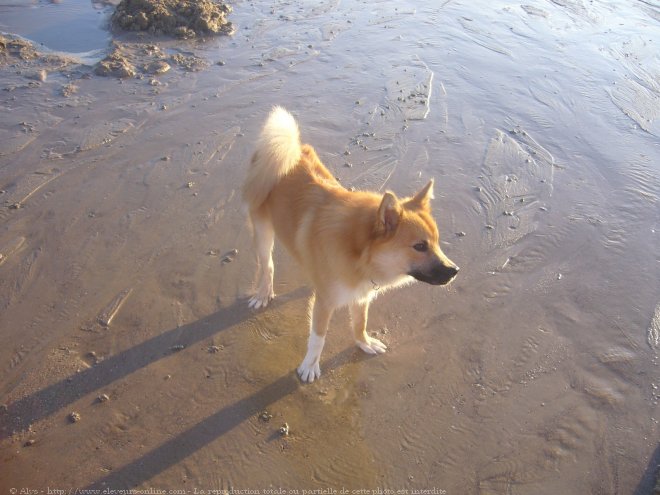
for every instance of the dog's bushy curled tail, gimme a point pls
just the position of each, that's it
(278, 151)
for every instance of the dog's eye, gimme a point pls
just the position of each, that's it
(421, 246)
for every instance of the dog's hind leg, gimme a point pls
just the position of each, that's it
(309, 370)
(264, 237)
(370, 345)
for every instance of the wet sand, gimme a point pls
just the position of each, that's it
(126, 264)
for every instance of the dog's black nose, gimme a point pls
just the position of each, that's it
(436, 275)
(446, 274)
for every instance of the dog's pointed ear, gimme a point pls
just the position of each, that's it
(423, 198)
(389, 213)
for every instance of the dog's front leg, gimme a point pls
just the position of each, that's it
(309, 370)
(370, 345)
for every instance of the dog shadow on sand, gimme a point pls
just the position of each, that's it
(19, 415)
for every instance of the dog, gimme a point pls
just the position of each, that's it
(351, 244)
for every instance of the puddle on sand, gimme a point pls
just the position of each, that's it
(536, 371)
(74, 27)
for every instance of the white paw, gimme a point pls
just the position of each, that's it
(372, 346)
(261, 299)
(309, 372)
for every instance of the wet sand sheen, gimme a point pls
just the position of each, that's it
(535, 372)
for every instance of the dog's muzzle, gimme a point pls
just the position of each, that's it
(438, 274)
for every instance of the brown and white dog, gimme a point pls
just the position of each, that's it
(351, 244)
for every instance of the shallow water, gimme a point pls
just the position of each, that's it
(76, 27)
(536, 371)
